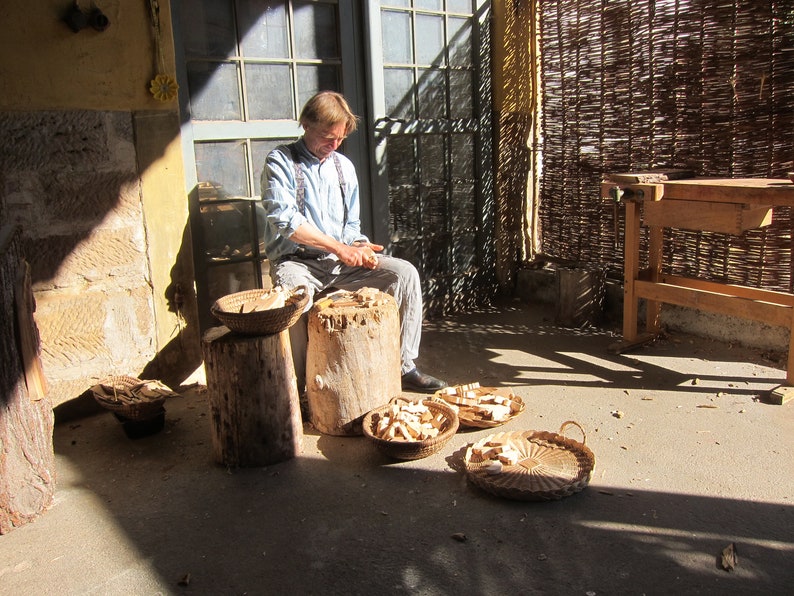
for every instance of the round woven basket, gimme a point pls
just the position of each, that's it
(265, 322)
(551, 467)
(469, 416)
(112, 393)
(411, 449)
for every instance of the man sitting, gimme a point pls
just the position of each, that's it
(313, 238)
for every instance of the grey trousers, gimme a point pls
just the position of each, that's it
(394, 276)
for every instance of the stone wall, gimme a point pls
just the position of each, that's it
(70, 179)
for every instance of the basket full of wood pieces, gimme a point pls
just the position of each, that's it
(407, 429)
(531, 465)
(482, 407)
(261, 312)
(132, 398)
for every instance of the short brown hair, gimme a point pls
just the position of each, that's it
(328, 108)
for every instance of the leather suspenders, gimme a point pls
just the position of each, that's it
(300, 191)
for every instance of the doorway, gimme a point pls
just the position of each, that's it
(416, 71)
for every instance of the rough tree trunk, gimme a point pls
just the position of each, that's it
(352, 365)
(27, 459)
(253, 398)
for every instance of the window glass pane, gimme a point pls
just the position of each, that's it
(462, 158)
(401, 161)
(429, 39)
(228, 279)
(463, 6)
(461, 102)
(263, 29)
(396, 28)
(312, 79)
(400, 3)
(435, 248)
(208, 27)
(464, 254)
(428, 4)
(259, 151)
(403, 215)
(264, 103)
(432, 94)
(399, 85)
(226, 229)
(224, 165)
(463, 208)
(431, 159)
(214, 93)
(459, 31)
(315, 31)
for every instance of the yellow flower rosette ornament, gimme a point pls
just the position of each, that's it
(163, 87)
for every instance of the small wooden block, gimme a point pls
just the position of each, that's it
(781, 394)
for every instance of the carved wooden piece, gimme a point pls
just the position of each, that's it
(253, 398)
(352, 364)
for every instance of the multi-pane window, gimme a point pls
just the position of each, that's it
(250, 65)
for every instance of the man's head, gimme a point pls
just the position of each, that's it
(326, 119)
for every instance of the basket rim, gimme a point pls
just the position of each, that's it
(476, 422)
(425, 446)
(142, 408)
(264, 322)
(243, 295)
(476, 473)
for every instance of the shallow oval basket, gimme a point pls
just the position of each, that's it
(551, 465)
(470, 417)
(263, 322)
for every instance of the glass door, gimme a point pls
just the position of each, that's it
(432, 128)
(416, 71)
(248, 66)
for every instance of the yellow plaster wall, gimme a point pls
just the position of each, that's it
(44, 65)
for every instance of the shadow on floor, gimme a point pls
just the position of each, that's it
(670, 491)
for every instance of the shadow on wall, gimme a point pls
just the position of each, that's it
(71, 180)
(181, 356)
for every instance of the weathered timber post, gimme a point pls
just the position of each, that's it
(352, 364)
(253, 398)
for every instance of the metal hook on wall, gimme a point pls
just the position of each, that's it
(77, 19)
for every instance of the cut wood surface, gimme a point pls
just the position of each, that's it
(253, 398)
(353, 359)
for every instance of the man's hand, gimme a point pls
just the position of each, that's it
(360, 254)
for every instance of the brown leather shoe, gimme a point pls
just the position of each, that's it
(421, 383)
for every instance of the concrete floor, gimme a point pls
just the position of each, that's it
(696, 462)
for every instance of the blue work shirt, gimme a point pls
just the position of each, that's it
(324, 206)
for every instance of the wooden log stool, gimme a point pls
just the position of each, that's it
(353, 358)
(253, 398)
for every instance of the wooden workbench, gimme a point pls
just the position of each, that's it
(726, 205)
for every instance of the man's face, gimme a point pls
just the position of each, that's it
(324, 140)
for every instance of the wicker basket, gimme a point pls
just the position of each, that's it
(552, 466)
(470, 417)
(411, 449)
(265, 322)
(118, 394)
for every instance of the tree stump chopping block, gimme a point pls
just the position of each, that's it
(253, 398)
(353, 362)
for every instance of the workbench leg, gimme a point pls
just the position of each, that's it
(783, 393)
(653, 307)
(631, 267)
(790, 362)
